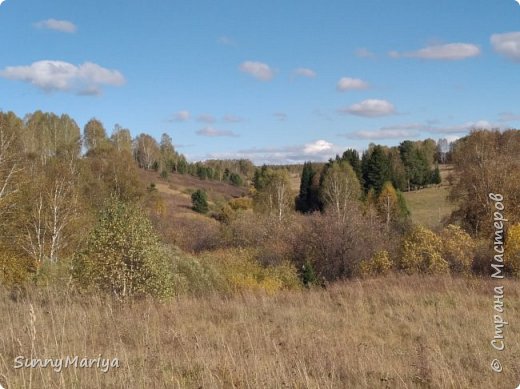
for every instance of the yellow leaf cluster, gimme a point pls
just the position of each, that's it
(379, 264)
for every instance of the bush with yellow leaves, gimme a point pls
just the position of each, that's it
(458, 248)
(15, 269)
(422, 253)
(242, 272)
(379, 264)
(241, 203)
(512, 258)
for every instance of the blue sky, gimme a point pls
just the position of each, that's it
(276, 83)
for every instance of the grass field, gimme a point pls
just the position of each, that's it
(430, 206)
(398, 332)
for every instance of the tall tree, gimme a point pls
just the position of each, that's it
(352, 157)
(94, 135)
(308, 197)
(486, 162)
(147, 151)
(11, 164)
(388, 204)
(121, 139)
(275, 196)
(376, 169)
(339, 187)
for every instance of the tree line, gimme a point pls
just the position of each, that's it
(74, 198)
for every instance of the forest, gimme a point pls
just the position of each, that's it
(57, 180)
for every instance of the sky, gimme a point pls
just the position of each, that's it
(275, 82)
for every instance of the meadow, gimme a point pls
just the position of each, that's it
(389, 332)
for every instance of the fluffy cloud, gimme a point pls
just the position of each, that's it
(258, 70)
(347, 83)
(182, 116)
(57, 25)
(304, 72)
(213, 132)
(449, 52)
(507, 44)
(370, 108)
(87, 79)
(318, 147)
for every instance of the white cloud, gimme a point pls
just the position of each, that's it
(370, 108)
(57, 25)
(305, 72)
(258, 70)
(464, 127)
(364, 53)
(205, 118)
(182, 116)
(318, 147)
(318, 151)
(213, 132)
(507, 44)
(347, 83)
(449, 51)
(87, 78)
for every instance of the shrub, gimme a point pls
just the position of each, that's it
(199, 199)
(15, 269)
(241, 203)
(308, 275)
(235, 179)
(193, 275)
(123, 255)
(193, 233)
(242, 272)
(422, 253)
(335, 247)
(458, 248)
(379, 264)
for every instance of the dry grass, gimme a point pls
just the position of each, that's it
(404, 332)
(429, 206)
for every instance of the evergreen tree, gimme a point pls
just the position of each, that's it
(376, 169)
(235, 179)
(260, 178)
(199, 199)
(352, 157)
(416, 164)
(304, 199)
(436, 176)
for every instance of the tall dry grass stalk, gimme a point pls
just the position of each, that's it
(395, 332)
